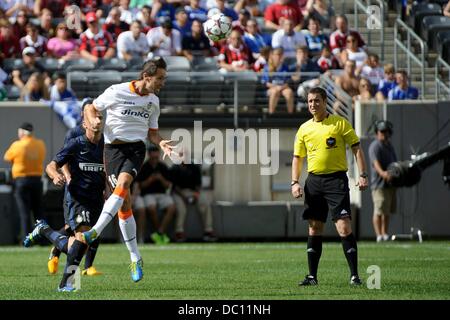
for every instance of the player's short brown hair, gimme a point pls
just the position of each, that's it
(151, 66)
(320, 91)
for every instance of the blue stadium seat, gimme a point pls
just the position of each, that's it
(205, 64)
(208, 88)
(135, 64)
(79, 65)
(442, 38)
(176, 90)
(12, 64)
(78, 82)
(431, 25)
(421, 10)
(177, 63)
(12, 92)
(440, 2)
(50, 64)
(99, 81)
(112, 64)
(246, 83)
(129, 76)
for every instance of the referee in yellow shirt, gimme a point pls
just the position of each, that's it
(323, 141)
(27, 157)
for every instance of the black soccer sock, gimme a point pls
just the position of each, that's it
(55, 251)
(59, 240)
(351, 252)
(314, 252)
(74, 257)
(90, 254)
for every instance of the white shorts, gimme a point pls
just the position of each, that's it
(159, 200)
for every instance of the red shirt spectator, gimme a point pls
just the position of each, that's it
(235, 55)
(282, 9)
(96, 43)
(9, 43)
(55, 6)
(19, 27)
(114, 25)
(34, 39)
(87, 5)
(338, 39)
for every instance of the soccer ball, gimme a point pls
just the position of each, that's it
(218, 27)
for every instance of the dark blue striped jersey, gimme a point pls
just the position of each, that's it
(85, 161)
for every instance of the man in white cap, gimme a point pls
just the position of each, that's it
(30, 65)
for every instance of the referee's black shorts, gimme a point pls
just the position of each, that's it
(126, 157)
(327, 193)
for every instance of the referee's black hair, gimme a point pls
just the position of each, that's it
(319, 90)
(151, 66)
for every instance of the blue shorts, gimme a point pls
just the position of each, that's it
(80, 212)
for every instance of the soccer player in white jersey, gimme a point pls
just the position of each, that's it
(132, 111)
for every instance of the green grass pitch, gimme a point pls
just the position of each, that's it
(409, 270)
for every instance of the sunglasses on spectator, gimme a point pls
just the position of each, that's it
(351, 40)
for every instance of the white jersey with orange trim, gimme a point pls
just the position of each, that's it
(129, 115)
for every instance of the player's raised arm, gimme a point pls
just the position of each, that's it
(90, 115)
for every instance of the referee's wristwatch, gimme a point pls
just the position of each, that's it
(294, 182)
(364, 175)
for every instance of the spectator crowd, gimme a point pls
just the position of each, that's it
(271, 37)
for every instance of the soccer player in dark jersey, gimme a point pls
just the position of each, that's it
(84, 155)
(53, 260)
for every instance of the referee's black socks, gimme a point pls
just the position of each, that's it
(351, 252)
(314, 252)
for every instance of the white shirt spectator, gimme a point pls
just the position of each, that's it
(168, 46)
(289, 43)
(26, 41)
(5, 5)
(359, 57)
(374, 75)
(136, 47)
(126, 15)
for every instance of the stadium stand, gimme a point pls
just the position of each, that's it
(431, 25)
(443, 44)
(420, 11)
(79, 65)
(112, 64)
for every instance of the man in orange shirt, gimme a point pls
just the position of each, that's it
(27, 157)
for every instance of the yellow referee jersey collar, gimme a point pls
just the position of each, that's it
(326, 117)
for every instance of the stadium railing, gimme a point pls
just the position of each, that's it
(399, 27)
(337, 95)
(210, 91)
(442, 86)
(362, 7)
